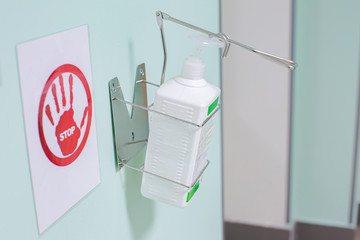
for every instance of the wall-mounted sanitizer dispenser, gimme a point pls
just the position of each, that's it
(181, 122)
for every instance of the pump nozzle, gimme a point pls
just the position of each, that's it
(202, 40)
(194, 67)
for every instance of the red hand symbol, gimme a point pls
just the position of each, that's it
(66, 131)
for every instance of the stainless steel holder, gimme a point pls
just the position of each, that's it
(131, 130)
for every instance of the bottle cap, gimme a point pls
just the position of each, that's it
(193, 68)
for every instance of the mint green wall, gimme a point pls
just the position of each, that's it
(327, 39)
(123, 34)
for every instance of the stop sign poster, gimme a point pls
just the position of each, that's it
(56, 87)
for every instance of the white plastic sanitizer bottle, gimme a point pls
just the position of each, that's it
(177, 150)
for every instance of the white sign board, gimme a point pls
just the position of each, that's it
(55, 77)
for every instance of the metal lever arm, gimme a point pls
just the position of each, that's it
(161, 16)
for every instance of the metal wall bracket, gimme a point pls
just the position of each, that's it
(130, 130)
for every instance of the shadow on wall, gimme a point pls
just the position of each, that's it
(132, 67)
(140, 210)
(0, 76)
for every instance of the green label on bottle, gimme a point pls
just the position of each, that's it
(213, 106)
(193, 191)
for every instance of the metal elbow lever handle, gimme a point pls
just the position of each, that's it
(160, 16)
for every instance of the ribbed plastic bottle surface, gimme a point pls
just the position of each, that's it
(177, 150)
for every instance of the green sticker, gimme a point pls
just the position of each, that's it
(213, 106)
(192, 191)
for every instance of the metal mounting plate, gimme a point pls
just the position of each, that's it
(130, 130)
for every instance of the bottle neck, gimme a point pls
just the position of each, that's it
(191, 82)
